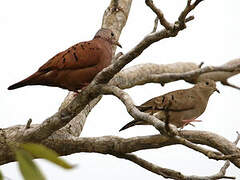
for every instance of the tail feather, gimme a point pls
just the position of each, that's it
(16, 85)
(132, 123)
(28, 81)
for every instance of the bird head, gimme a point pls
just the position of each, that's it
(107, 35)
(208, 86)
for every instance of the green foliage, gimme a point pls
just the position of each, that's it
(40, 151)
(29, 170)
(1, 176)
(27, 167)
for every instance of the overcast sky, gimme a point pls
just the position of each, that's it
(31, 32)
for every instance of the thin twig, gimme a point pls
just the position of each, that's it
(182, 17)
(28, 124)
(226, 83)
(190, 76)
(159, 14)
(161, 126)
(210, 154)
(155, 25)
(134, 112)
(169, 173)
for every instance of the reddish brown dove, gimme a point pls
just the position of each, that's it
(181, 107)
(75, 67)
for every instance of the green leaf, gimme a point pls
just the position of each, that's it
(40, 151)
(1, 176)
(27, 167)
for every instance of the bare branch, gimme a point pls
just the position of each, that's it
(159, 125)
(75, 126)
(106, 74)
(211, 140)
(155, 25)
(189, 7)
(28, 124)
(222, 76)
(57, 131)
(190, 18)
(60, 119)
(238, 138)
(139, 74)
(223, 170)
(190, 72)
(133, 111)
(192, 76)
(210, 154)
(169, 173)
(159, 14)
(114, 18)
(226, 83)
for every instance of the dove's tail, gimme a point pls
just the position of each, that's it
(133, 123)
(28, 81)
(17, 85)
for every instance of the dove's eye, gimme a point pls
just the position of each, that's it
(112, 34)
(207, 83)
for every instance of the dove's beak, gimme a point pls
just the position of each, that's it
(118, 44)
(217, 90)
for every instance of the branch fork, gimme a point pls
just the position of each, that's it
(53, 132)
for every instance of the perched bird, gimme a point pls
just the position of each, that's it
(75, 67)
(181, 107)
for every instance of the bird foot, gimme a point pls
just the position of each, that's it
(186, 122)
(75, 93)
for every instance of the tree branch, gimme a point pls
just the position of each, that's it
(169, 173)
(107, 74)
(189, 7)
(164, 73)
(63, 117)
(159, 125)
(133, 111)
(192, 76)
(159, 14)
(114, 18)
(58, 131)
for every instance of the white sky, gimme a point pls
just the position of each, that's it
(31, 32)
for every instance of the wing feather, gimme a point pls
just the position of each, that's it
(79, 56)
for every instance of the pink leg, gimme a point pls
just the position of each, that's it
(75, 93)
(186, 122)
(84, 85)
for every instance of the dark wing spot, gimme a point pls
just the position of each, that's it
(63, 61)
(172, 97)
(82, 46)
(75, 56)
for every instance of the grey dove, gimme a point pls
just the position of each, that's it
(181, 107)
